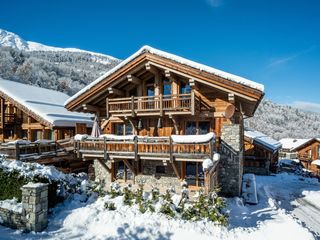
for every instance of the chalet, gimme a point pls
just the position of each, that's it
(165, 118)
(33, 113)
(306, 150)
(261, 152)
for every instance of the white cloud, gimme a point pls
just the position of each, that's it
(214, 3)
(307, 106)
(284, 60)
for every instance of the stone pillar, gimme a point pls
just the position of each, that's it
(35, 206)
(231, 162)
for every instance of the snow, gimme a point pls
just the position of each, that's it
(20, 142)
(207, 163)
(274, 217)
(48, 104)
(262, 139)
(203, 138)
(80, 137)
(118, 137)
(288, 162)
(291, 144)
(31, 170)
(316, 162)
(175, 58)
(249, 188)
(9, 39)
(12, 205)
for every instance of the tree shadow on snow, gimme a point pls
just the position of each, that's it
(140, 233)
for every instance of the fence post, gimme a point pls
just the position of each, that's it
(135, 148)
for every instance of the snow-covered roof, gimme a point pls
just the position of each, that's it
(45, 103)
(175, 58)
(262, 139)
(316, 162)
(293, 143)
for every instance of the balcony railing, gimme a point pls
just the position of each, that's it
(11, 119)
(151, 148)
(152, 105)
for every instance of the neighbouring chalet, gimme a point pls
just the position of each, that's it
(261, 152)
(164, 117)
(34, 113)
(306, 150)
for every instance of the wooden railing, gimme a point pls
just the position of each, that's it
(34, 150)
(143, 147)
(305, 157)
(175, 104)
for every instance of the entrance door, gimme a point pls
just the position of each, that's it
(194, 174)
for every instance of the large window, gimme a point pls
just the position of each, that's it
(197, 127)
(194, 174)
(191, 128)
(204, 127)
(166, 88)
(185, 88)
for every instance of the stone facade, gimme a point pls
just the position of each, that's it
(34, 215)
(231, 162)
(148, 177)
(35, 206)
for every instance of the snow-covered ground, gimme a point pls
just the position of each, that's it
(287, 209)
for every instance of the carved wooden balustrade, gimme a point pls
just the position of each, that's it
(152, 105)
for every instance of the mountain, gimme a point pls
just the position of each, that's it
(69, 69)
(281, 121)
(64, 69)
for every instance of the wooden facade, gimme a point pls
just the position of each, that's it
(18, 121)
(155, 97)
(309, 152)
(258, 158)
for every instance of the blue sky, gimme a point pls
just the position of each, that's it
(274, 42)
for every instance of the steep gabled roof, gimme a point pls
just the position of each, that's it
(263, 140)
(185, 62)
(45, 105)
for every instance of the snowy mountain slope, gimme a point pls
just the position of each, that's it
(63, 69)
(12, 40)
(281, 121)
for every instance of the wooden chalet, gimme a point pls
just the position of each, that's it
(34, 113)
(261, 152)
(306, 150)
(151, 98)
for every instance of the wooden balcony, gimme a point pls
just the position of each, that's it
(11, 119)
(154, 105)
(149, 148)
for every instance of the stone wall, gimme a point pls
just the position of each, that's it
(148, 177)
(231, 162)
(151, 179)
(101, 174)
(34, 215)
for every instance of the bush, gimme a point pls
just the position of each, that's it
(11, 183)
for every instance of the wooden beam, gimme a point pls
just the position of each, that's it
(151, 68)
(90, 108)
(193, 84)
(175, 124)
(105, 123)
(231, 98)
(116, 91)
(175, 169)
(132, 168)
(133, 79)
(104, 165)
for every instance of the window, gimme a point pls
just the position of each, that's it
(191, 128)
(166, 89)
(122, 129)
(185, 88)
(204, 127)
(160, 169)
(194, 174)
